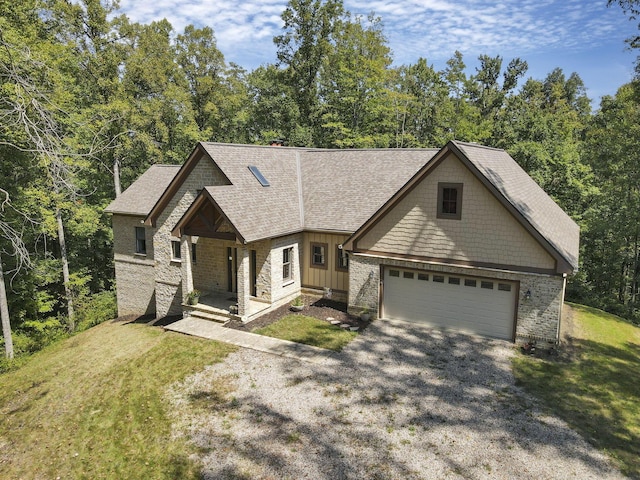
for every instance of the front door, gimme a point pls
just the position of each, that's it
(232, 269)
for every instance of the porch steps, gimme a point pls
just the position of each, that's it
(212, 317)
(206, 312)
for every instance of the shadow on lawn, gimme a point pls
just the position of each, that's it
(597, 393)
(445, 384)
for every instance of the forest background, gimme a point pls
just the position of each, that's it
(89, 100)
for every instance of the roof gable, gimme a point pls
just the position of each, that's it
(181, 176)
(524, 199)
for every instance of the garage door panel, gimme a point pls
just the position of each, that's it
(485, 311)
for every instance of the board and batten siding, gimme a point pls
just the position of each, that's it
(320, 278)
(486, 233)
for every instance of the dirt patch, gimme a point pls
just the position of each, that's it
(316, 307)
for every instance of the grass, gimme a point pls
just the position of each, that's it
(598, 390)
(308, 330)
(92, 406)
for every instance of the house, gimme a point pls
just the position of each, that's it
(459, 237)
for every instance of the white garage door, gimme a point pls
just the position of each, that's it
(475, 305)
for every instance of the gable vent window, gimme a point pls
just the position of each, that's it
(259, 176)
(450, 201)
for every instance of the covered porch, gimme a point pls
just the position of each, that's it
(215, 261)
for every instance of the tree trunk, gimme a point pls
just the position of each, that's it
(116, 177)
(65, 270)
(4, 316)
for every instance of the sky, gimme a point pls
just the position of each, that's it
(582, 36)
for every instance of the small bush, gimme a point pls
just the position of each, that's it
(94, 309)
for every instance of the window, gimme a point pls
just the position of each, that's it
(342, 259)
(319, 255)
(487, 285)
(504, 287)
(193, 252)
(141, 242)
(438, 278)
(450, 201)
(469, 282)
(394, 273)
(454, 280)
(176, 254)
(287, 255)
(407, 275)
(423, 276)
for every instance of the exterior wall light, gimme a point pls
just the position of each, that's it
(527, 295)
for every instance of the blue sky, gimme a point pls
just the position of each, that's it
(582, 36)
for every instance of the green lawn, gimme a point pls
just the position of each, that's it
(308, 330)
(597, 390)
(92, 406)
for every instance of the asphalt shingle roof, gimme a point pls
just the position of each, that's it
(341, 189)
(255, 211)
(143, 194)
(527, 197)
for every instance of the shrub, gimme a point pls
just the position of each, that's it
(94, 309)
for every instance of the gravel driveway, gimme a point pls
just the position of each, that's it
(397, 403)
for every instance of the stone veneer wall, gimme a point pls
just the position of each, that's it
(168, 276)
(135, 285)
(537, 317)
(282, 292)
(263, 269)
(210, 269)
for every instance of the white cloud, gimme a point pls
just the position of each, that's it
(415, 28)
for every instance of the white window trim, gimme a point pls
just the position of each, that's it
(173, 257)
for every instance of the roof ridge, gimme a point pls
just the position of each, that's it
(478, 145)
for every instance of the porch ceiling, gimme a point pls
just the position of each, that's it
(204, 219)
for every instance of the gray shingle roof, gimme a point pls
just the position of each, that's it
(143, 194)
(258, 212)
(527, 197)
(343, 188)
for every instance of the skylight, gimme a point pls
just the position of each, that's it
(258, 174)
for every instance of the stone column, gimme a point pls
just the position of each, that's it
(187, 273)
(244, 290)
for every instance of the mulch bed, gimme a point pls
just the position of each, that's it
(317, 307)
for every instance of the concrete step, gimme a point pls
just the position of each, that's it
(213, 317)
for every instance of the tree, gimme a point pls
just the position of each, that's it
(542, 128)
(309, 30)
(355, 87)
(612, 237)
(632, 9)
(428, 105)
(18, 250)
(274, 112)
(203, 65)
